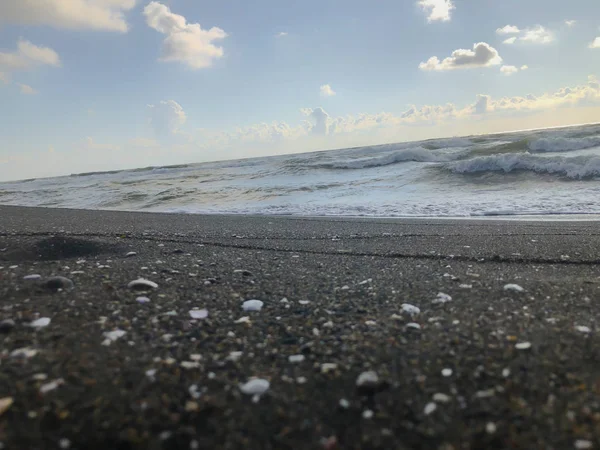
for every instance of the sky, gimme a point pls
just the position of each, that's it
(92, 85)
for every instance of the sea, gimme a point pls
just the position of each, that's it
(551, 172)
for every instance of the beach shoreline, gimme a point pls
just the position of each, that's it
(487, 365)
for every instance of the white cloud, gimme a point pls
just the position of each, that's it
(437, 10)
(509, 70)
(537, 35)
(482, 55)
(281, 34)
(508, 29)
(167, 117)
(524, 67)
(106, 15)
(570, 23)
(320, 120)
(326, 91)
(510, 41)
(595, 43)
(26, 89)
(28, 56)
(186, 43)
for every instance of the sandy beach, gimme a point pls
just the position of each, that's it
(373, 333)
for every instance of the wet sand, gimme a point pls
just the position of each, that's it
(490, 368)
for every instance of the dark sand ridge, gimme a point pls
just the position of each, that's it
(355, 275)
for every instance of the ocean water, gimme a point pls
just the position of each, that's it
(541, 172)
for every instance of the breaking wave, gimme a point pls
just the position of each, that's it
(563, 144)
(579, 167)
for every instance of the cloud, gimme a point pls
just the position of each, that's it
(482, 55)
(4, 78)
(26, 89)
(104, 15)
(320, 120)
(508, 29)
(326, 91)
(524, 67)
(509, 70)
(281, 34)
(437, 10)
(595, 43)
(28, 56)
(186, 43)
(482, 105)
(167, 117)
(570, 23)
(510, 40)
(537, 35)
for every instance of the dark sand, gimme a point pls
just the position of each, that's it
(355, 274)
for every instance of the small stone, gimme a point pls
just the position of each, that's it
(303, 302)
(64, 443)
(25, 352)
(244, 319)
(191, 406)
(32, 277)
(130, 254)
(112, 336)
(199, 314)
(513, 287)
(296, 358)
(523, 345)
(45, 388)
(56, 283)
(410, 309)
(40, 323)
(371, 323)
(328, 367)
(582, 444)
(142, 284)
(252, 305)
(369, 378)
(414, 326)
(442, 298)
(5, 404)
(429, 408)
(441, 398)
(234, 356)
(490, 428)
(367, 414)
(190, 364)
(583, 329)
(344, 403)
(256, 386)
(142, 300)
(447, 372)
(7, 325)
(506, 372)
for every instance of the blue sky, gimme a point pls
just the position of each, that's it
(105, 84)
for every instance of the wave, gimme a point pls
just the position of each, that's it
(579, 167)
(447, 143)
(417, 154)
(563, 144)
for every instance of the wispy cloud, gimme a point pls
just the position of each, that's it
(26, 89)
(326, 91)
(482, 55)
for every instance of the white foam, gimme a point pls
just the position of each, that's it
(563, 144)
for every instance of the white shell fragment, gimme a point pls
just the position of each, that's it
(447, 372)
(112, 336)
(141, 284)
(252, 305)
(513, 287)
(413, 325)
(40, 323)
(257, 386)
(441, 398)
(410, 309)
(328, 367)
(523, 345)
(45, 388)
(130, 254)
(142, 300)
(25, 352)
(429, 408)
(583, 329)
(199, 313)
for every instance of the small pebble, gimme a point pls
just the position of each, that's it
(414, 326)
(447, 372)
(328, 367)
(7, 325)
(441, 398)
(32, 277)
(256, 386)
(523, 345)
(40, 323)
(583, 329)
(442, 298)
(367, 414)
(296, 358)
(56, 283)
(252, 305)
(64, 443)
(198, 313)
(490, 428)
(513, 287)
(244, 319)
(369, 378)
(45, 388)
(5, 403)
(429, 408)
(142, 284)
(344, 403)
(142, 300)
(582, 444)
(128, 255)
(410, 309)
